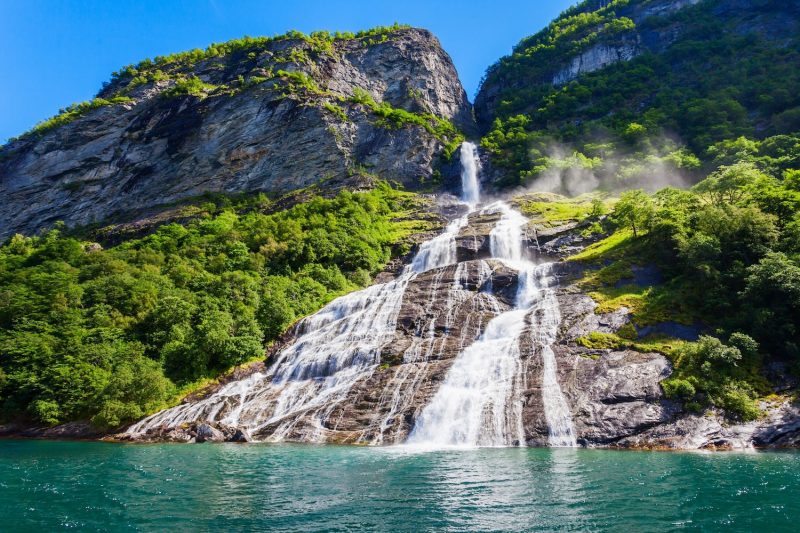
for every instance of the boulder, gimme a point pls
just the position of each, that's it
(208, 433)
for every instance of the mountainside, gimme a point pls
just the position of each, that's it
(310, 299)
(634, 92)
(265, 114)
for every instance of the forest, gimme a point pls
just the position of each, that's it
(112, 334)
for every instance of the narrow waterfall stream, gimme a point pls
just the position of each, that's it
(470, 168)
(479, 402)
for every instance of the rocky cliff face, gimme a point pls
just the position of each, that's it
(272, 116)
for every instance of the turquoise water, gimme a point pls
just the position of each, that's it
(96, 486)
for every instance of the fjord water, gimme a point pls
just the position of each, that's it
(47, 486)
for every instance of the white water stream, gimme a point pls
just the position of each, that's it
(480, 401)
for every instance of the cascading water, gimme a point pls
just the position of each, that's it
(334, 349)
(480, 401)
(339, 347)
(470, 166)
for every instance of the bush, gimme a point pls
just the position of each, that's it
(192, 86)
(678, 388)
(46, 411)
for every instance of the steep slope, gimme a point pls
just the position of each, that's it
(266, 114)
(417, 360)
(619, 81)
(109, 335)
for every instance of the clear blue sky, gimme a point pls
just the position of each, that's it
(56, 52)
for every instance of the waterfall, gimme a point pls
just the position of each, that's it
(339, 347)
(439, 251)
(470, 166)
(480, 401)
(334, 349)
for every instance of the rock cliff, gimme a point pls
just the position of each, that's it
(270, 115)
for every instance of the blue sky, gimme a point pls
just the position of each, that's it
(56, 52)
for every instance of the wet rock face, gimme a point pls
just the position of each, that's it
(118, 160)
(614, 396)
(442, 311)
(473, 240)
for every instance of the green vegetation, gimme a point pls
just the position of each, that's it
(654, 343)
(395, 118)
(76, 110)
(109, 335)
(624, 121)
(729, 253)
(336, 111)
(710, 373)
(546, 210)
(297, 81)
(248, 48)
(192, 85)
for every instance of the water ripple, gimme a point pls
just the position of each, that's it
(93, 486)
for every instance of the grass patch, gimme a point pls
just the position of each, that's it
(611, 341)
(67, 115)
(336, 111)
(612, 247)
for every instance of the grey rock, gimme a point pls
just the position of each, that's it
(240, 435)
(208, 433)
(118, 162)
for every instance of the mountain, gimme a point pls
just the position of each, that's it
(239, 260)
(252, 115)
(611, 83)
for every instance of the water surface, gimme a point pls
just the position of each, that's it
(47, 485)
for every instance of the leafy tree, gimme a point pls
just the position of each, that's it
(772, 297)
(730, 184)
(635, 209)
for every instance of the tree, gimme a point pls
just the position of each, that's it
(635, 209)
(729, 184)
(771, 299)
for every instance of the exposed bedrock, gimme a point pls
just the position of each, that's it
(117, 162)
(614, 396)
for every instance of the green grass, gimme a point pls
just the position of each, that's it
(611, 263)
(652, 343)
(612, 247)
(550, 209)
(67, 115)
(336, 111)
